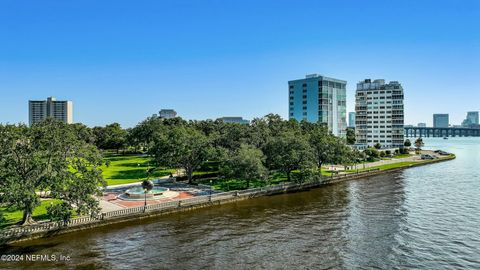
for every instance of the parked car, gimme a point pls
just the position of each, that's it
(427, 156)
(443, 153)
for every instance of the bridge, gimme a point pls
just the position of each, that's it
(416, 132)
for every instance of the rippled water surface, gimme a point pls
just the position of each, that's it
(425, 218)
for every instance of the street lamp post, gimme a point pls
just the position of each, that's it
(145, 204)
(147, 185)
(211, 190)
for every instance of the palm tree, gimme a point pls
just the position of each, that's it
(419, 144)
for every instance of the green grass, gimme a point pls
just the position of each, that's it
(396, 165)
(124, 169)
(13, 216)
(239, 184)
(401, 164)
(402, 156)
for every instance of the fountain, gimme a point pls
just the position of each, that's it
(146, 191)
(139, 193)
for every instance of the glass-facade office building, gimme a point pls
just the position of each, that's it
(319, 99)
(440, 120)
(471, 120)
(351, 119)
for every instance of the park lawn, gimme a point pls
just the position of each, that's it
(388, 166)
(402, 156)
(124, 169)
(13, 216)
(401, 164)
(396, 165)
(239, 184)
(326, 172)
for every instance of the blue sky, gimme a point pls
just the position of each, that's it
(121, 61)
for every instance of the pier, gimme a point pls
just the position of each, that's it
(416, 132)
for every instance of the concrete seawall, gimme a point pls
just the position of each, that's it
(205, 201)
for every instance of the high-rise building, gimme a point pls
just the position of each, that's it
(440, 120)
(167, 114)
(471, 120)
(422, 125)
(319, 99)
(40, 110)
(351, 119)
(379, 114)
(235, 120)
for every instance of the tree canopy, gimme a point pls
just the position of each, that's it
(181, 147)
(50, 156)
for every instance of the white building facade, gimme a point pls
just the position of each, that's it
(379, 114)
(39, 110)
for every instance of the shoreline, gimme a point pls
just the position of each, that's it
(132, 214)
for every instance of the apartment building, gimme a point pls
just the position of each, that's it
(40, 110)
(379, 114)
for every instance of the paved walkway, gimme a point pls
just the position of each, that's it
(136, 183)
(383, 162)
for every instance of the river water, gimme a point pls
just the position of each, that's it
(425, 218)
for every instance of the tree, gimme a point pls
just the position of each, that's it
(84, 133)
(371, 153)
(407, 143)
(110, 137)
(326, 147)
(378, 146)
(181, 147)
(246, 163)
(289, 151)
(351, 136)
(321, 141)
(419, 144)
(48, 156)
(143, 135)
(60, 212)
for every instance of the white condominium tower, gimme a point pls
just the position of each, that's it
(379, 114)
(40, 110)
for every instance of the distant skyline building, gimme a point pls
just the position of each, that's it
(351, 119)
(39, 110)
(379, 114)
(235, 120)
(167, 114)
(319, 99)
(440, 120)
(422, 125)
(471, 120)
